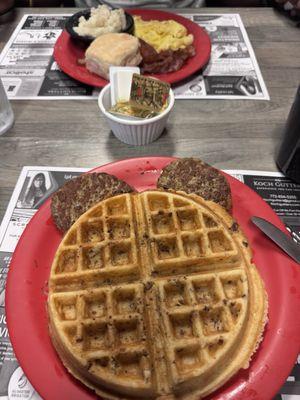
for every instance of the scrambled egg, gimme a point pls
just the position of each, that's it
(162, 35)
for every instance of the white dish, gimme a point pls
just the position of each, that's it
(136, 132)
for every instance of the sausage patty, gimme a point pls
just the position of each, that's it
(195, 176)
(78, 195)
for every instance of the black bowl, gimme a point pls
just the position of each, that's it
(73, 21)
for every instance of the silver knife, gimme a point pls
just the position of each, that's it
(282, 240)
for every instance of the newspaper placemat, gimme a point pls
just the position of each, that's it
(279, 192)
(28, 70)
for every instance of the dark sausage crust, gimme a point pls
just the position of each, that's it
(194, 176)
(78, 195)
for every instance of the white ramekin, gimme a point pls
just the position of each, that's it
(135, 132)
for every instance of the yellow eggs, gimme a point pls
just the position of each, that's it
(162, 35)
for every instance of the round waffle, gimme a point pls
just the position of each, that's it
(153, 295)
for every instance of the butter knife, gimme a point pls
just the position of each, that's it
(282, 240)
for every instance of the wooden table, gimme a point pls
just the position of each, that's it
(225, 133)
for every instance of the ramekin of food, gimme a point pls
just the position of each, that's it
(86, 40)
(137, 132)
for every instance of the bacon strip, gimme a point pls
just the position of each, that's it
(165, 61)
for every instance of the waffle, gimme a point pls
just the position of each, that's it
(153, 295)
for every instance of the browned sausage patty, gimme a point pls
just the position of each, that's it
(194, 176)
(78, 195)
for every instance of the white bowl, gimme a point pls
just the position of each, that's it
(135, 132)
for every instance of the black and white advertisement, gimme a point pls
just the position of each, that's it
(282, 194)
(29, 71)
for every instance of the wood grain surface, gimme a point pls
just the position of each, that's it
(225, 133)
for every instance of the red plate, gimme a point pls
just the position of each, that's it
(67, 52)
(30, 267)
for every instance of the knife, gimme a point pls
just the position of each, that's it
(281, 239)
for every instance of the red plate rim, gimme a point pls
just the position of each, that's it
(66, 52)
(270, 365)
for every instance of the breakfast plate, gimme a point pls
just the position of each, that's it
(26, 295)
(67, 52)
